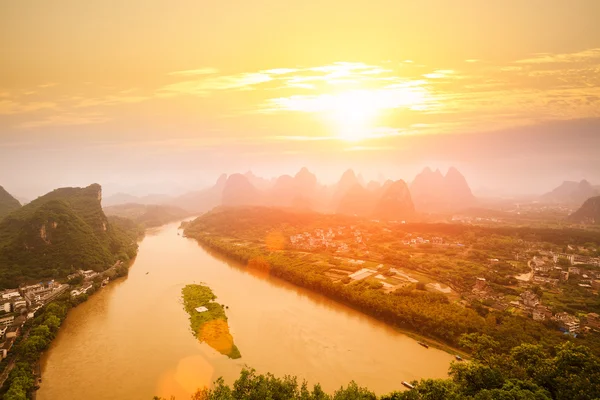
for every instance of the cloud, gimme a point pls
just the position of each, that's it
(10, 107)
(192, 72)
(545, 58)
(66, 119)
(203, 87)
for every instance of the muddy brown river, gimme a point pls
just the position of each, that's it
(132, 340)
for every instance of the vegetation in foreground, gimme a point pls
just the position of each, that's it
(209, 326)
(526, 372)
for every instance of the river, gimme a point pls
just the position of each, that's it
(132, 340)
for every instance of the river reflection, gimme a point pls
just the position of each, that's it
(132, 339)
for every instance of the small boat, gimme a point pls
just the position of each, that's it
(147, 273)
(424, 345)
(458, 358)
(408, 385)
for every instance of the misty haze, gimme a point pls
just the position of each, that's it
(267, 200)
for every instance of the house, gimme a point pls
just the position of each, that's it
(5, 306)
(13, 331)
(540, 313)
(201, 309)
(567, 322)
(564, 275)
(574, 270)
(6, 347)
(7, 320)
(596, 284)
(10, 293)
(530, 299)
(19, 304)
(3, 330)
(89, 274)
(480, 284)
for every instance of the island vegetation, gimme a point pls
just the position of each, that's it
(208, 320)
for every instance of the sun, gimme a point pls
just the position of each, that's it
(354, 114)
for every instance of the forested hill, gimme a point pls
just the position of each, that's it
(589, 212)
(59, 233)
(8, 203)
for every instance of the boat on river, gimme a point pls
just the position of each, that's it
(424, 345)
(458, 358)
(408, 385)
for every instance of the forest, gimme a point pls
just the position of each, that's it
(59, 233)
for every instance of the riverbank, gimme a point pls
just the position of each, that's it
(208, 320)
(137, 328)
(38, 333)
(371, 305)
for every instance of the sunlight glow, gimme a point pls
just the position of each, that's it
(354, 113)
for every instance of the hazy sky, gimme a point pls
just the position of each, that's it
(148, 95)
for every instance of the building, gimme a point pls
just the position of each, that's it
(201, 309)
(5, 306)
(574, 270)
(596, 284)
(567, 322)
(7, 320)
(530, 299)
(564, 275)
(13, 331)
(3, 330)
(89, 274)
(10, 293)
(480, 284)
(540, 313)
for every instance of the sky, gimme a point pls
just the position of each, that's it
(153, 96)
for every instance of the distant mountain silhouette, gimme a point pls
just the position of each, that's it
(570, 192)
(357, 201)
(202, 200)
(392, 201)
(148, 215)
(258, 182)
(346, 182)
(8, 203)
(588, 213)
(433, 192)
(395, 203)
(125, 198)
(238, 191)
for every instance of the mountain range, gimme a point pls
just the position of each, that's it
(430, 192)
(58, 233)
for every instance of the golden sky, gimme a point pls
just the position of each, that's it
(268, 78)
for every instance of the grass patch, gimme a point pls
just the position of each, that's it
(209, 326)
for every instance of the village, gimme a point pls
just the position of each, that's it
(20, 304)
(549, 272)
